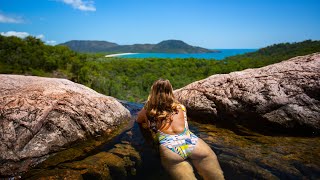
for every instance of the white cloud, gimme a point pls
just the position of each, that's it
(51, 42)
(14, 33)
(81, 5)
(7, 19)
(40, 36)
(25, 34)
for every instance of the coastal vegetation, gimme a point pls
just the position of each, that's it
(130, 79)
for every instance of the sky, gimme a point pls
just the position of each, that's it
(215, 24)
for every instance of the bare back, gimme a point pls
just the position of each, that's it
(176, 126)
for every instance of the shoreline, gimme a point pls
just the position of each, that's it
(119, 54)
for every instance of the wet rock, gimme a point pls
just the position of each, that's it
(282, 97)
(119, 162)
(99, 164)
(256, 156)
(40, 116)
(56, 174)
(126, 150)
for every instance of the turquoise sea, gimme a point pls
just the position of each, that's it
(216, 55)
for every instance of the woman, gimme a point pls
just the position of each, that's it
(166, 117)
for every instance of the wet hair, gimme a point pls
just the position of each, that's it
(161, 104)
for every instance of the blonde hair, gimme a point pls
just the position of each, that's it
(161, 103)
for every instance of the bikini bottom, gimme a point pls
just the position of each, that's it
(182, 144)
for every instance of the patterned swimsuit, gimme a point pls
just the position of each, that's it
(183, 143)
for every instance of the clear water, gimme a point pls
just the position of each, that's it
(215, 55)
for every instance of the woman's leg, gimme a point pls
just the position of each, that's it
(206, 162)
(175, 165)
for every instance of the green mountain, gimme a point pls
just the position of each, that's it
(89, 46)
(177, 46)
(168, 46)
(136, 48)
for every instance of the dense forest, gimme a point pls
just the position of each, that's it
(130, 79)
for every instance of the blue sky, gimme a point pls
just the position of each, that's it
(206, 23)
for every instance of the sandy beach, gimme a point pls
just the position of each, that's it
(119, 54)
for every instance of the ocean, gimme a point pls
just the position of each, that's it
(216, 55)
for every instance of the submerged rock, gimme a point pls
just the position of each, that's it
(283, 97)
(256, 156)
(40, 116)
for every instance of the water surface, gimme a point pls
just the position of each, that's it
(223, 53)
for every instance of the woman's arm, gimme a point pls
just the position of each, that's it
(142, 116)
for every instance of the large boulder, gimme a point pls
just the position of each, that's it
(40, 116)
(283, 97)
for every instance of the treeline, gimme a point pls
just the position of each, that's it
(273, 54)
(130, 79)
(31, 55)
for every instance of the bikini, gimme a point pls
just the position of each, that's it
(183, 143)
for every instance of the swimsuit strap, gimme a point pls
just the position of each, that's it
(185, 116)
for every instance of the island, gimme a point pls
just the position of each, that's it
(167, 46)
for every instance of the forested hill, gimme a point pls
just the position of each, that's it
(130, 79)
(89, 46)
(168, 46)
(277, 52)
